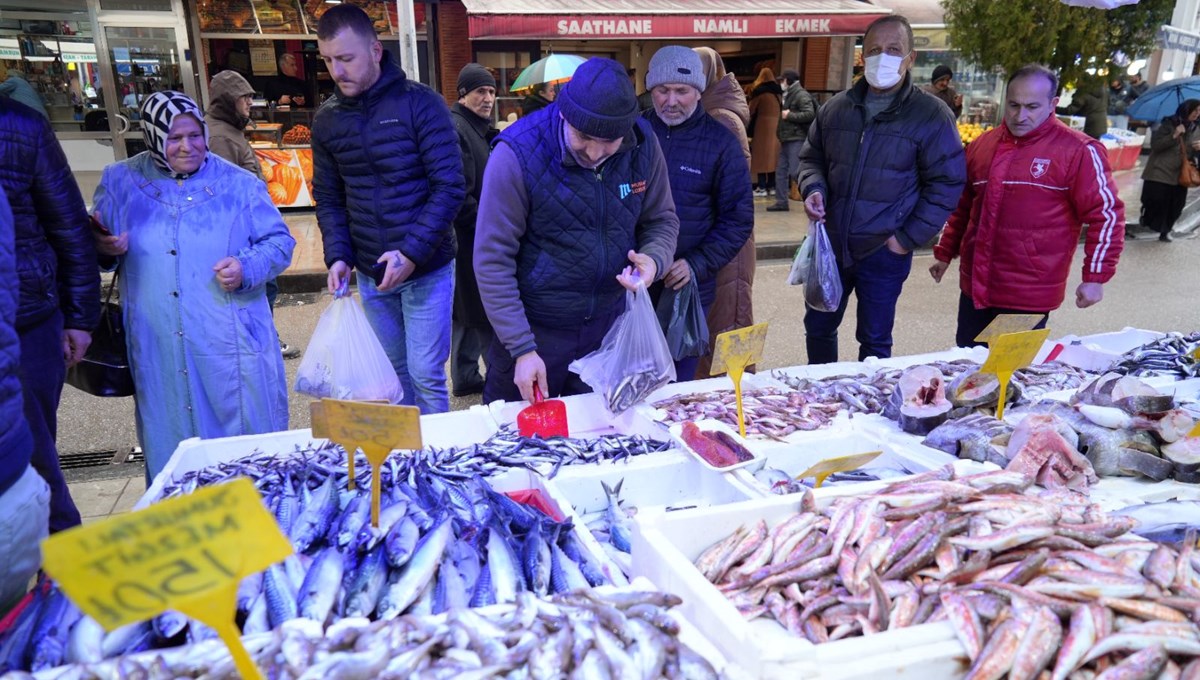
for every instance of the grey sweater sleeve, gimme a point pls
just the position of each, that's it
(658, 227)
(503, 211)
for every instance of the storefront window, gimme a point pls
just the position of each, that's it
(506, 66)
(982, 90)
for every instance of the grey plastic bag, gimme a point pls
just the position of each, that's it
(682, 318)
(823, 291)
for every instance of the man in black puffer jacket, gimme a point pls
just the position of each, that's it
(710, 181)
(59, 281)
(24, 496)
(884, 167)
(388, 181)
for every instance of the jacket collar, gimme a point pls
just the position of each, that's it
(480, 125)
(858, 94)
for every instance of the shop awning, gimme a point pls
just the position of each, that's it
(666, 19)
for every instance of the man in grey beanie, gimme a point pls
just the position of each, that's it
(710, 183)
(472, 334)
(572, 196)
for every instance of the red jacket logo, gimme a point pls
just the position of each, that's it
(1039, 167)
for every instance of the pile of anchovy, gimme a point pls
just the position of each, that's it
(634, 387)
(441, 544)
(1031, 580)
(581, 634)
(871, 393)
(1170, 355)
(769, 412)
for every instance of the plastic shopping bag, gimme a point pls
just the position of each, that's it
(344, 359)
(801, 264)
(823, 292)
(682, 318)
(633, 359)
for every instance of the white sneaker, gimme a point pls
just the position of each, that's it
(760, 193)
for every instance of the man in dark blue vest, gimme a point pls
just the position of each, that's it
(710, 180)
(572, 195)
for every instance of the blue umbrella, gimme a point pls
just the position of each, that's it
(1164, 99)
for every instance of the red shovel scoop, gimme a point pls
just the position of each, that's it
(545, 418)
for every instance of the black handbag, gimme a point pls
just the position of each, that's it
(104, 370)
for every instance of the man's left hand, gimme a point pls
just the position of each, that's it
(893, 244)
(1088, 294)
(75, 345)
(229, 273)
(643, 267)
(678, 274)
(399, 268)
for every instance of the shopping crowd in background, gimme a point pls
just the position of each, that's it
(516, 248)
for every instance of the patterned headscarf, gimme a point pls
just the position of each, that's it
(158, 113)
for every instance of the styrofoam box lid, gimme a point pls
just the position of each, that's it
(1098, 351)
(669, 482)
(1114, 493)
(586, 417)
(664, 548)
(457, 428)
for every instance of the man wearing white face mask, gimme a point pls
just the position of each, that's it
(883, 166)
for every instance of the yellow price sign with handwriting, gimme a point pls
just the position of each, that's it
(1004, 324)
(186, 554)
(733, 352)
(377, 429)
(1009, 352)
(829, 466)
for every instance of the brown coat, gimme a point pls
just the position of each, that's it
(733, 306)
(765, 109)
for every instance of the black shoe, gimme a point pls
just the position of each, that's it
(1165, 237)
(288, 351)
(778, 208)
(468, 390)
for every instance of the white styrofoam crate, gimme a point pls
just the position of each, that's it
(442, 430)
(1114, 493)
(1098, 351)
(665, 545)
(669, 481)
(586, 417)
(801, 455)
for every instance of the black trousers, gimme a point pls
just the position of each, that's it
(557, 347)
(1162, 204)
(972, 321)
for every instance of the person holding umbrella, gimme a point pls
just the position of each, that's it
(541, 97)
(572, 196)
(1162, 195)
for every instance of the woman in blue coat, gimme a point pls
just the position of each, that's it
(196, 239)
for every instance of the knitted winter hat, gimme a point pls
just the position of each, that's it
(941, 71)
(675, 64)
(599, 100)
(474, 76)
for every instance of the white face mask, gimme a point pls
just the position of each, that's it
(882, 71)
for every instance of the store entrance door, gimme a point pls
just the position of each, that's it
(142, 52)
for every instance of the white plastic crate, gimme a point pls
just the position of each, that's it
(665, 546)
(458, 428)
(586, 417)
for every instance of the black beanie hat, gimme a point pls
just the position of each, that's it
(599, 101)
(941, 71)
(472, 76)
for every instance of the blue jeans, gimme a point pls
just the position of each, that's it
(412, 321)
(877, 281)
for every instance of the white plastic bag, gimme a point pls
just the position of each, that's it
(801, 264)
(823, 291)
(633, 359)
(345, 360)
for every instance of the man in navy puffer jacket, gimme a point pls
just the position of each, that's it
(710, 181)
(388, 182)
(24, 496)
(59, 281)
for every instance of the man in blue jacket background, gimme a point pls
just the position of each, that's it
(388, 182)
(884, 167)
(24, 496)
(710, 181)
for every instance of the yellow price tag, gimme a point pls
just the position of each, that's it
(733, 352)
(1004, 324)
(841, 464)
(316, 412)
(186, 554)
(377, 429)
(1009, 352)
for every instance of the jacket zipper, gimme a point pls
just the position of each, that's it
(598, 173)
(362, 134)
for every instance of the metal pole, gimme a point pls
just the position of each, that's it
(408, 39)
